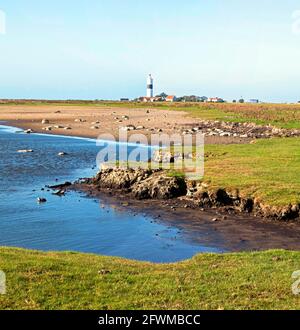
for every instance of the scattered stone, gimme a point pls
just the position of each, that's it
(128, 128)
(45, 121)
(239, 130)
(59, 193)
(104, 272)
(60, 186)
(49, 128)
(28, 131)
(25, 151)
(62, 154)
(41, 200)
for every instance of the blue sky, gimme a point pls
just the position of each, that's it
(105, 48)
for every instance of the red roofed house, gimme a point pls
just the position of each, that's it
(215, 100)
(171, 98)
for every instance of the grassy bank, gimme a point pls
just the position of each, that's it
(268, 170)
(37, 280)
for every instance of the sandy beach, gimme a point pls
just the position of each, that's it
(94, 120)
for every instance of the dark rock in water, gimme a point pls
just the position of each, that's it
(60, 192)
(42, 200)
(61, 186)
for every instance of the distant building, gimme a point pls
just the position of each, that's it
(171, 98)
(124, 100)
(215, 100)
(151, 99)
(253, 101)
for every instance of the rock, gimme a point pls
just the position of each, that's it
(128, 128)
(143, 184)
(25, 151)
(95, 127)
(62, 154)
(220, 198)
(41, 200)
(104, 272)
(45, 121)
(161, 156)
(61, 186)
(160, 187)
(59, 193)
(247, 205)
(67, 128)
(28, 131)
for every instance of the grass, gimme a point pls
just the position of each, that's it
(37, 280)
(268, 170)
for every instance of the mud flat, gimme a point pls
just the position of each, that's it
(220, 217)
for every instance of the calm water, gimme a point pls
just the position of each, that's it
(74, 222)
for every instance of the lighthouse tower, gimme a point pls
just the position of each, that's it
(149, 86)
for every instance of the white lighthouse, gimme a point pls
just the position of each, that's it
(149, 86)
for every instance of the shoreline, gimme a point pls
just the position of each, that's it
(288, 212)
(90, 121)
(244, 238)
(232, 232)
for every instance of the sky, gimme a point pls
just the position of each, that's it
(104, 49)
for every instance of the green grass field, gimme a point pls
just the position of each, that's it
(37, 280)
(268, 170)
